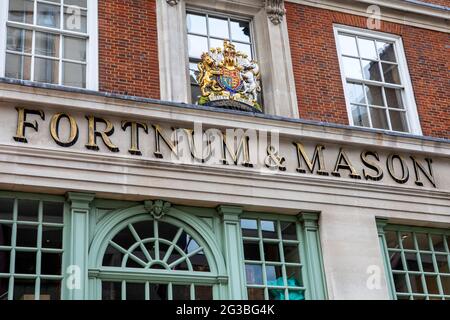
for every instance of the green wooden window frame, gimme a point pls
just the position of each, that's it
(296, 272)
(152, 268)
(417, 261)
(38, 282)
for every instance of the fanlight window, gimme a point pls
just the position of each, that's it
(153, 244)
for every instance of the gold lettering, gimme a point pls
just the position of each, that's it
(191, 135)
(405, 171)
(22, 123)
(173, 146)
(135, 125)
(243, 147)
(54, 130)
(429, 175)
(347, 165)
(93, 134)
(311, 164)
(371, 165)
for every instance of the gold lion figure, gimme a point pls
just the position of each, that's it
(205, 76)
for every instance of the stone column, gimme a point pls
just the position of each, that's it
(173, 65)
(79, 245)
(234, 254)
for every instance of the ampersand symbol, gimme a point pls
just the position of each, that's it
(273, 159)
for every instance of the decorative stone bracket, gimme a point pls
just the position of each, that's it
(157, 208)
(275, 10)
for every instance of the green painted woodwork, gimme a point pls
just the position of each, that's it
(90, 224)
(406, 250)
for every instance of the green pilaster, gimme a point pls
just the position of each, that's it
(313, 254)
(79, 241)
(234, 254)
(381, 223)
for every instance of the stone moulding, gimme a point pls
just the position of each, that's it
(275, 10)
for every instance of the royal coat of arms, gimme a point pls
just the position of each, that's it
(229, 79)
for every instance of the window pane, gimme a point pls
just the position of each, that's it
(360, 116)
(28, 210)
(400, 283)
(48, 15)
(391, 74)
(51, 263)
(24, 289)
(52, 237)
(47, 44)
(244, 48)
(19, 40)
(374, 95)
(74, 49)
(251, 251)
(21, 11)
(288, 231)
(253, 274)
(181, 292)
(74, 75)
(274, 276)
(291, 253)
(5, 234)
(25, 262)
(6, 208)
(398, 121)
(50, 289)
(352, 68)
(386, 51)
(5, 256)
(347, 45)
(371, 70)
(195, 93)
(26, 236)
(158, 291)
(269, 229)
(438, 242)
(111, 290)
(394, 98)
(249, 228)
(135, 291)
(196, 23)
(240, 31)
(215, 43)
(112, 257)
(203, 293)
(443, 262)
(427, 262)
(197, 46)
(271, 252)
(218, 27)
(18, 66)
(416, 283)
(294, 276)
(79, 3)
(53, 212)
(379, 118)
(396, 260)
(407, 240)
(367, 49)
(255, 294)
(411, 261)
(75, 19)
(46, 70)
(432, 286)
(356, 93)
(4, 287)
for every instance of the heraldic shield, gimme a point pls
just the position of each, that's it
(229, 79)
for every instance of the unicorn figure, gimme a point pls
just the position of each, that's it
(250, 75)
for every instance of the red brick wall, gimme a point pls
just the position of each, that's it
(317, 74)
(128, 49)
(445, 3)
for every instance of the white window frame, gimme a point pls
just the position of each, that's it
(92, 74)
(224, 15)
(408, 93)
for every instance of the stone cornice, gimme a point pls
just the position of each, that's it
(414, 13)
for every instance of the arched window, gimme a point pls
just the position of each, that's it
(151, 259)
